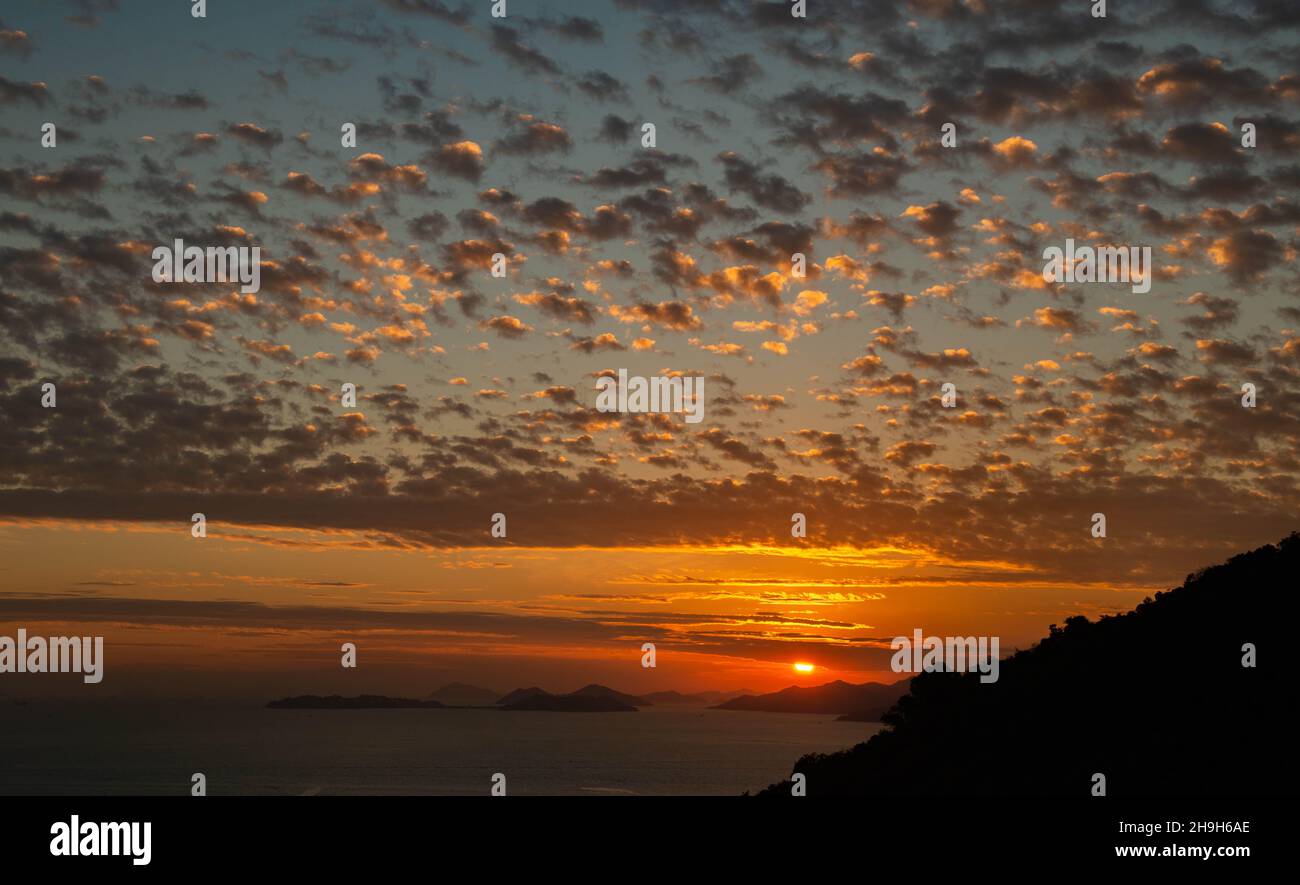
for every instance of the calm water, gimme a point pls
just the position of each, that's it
(94, 748)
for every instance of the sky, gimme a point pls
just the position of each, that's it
(476, 395)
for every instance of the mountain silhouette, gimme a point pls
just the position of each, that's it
(537, 699)
(1159, 700)
(519, 694)
(869, 699)
(602, 691)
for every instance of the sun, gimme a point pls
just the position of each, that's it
(803, 668)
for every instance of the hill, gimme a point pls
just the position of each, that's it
(537, 698)
(519, 694)
(602, 691)
(1158, 700)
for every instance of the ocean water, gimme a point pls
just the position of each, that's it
(132, 748)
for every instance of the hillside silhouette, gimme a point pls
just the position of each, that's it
(1156, 699)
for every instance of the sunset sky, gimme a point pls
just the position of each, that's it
(522, 135)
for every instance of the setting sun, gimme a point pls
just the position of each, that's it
(804, 668)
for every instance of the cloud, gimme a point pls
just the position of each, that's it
(16, 92)
(506, 326)
(769, 191)
(536, 137)
(505, 40)
(462, 159)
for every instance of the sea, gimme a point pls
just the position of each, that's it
(132, 748)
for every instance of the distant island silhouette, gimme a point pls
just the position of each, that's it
(866, 702)
(1157, 700)
(601, 691)
(588, 699)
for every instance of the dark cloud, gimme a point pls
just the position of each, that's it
(730, 74)
(71, 180)
(462, 159)
(603, 87)
(768, 190)
(614, 129)
(15, 41)
(861, 174)
(253, 134)
(15, 92)
(575, 27)
(434, 9)
(535, 137)
(505, 40)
